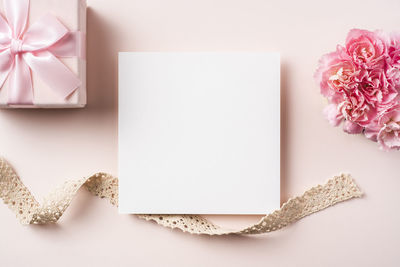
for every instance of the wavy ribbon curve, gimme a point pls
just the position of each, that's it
(29, 211)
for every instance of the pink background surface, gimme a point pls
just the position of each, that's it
(49, 146)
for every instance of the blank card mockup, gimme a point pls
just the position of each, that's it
(199, 133)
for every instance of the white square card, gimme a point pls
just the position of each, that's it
(199, 133)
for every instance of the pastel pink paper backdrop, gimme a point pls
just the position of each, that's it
(49, 146)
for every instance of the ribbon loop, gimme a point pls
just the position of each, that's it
(5, 33)
(17, 16)
(71, 45)
(43, 33)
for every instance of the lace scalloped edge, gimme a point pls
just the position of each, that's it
(29, 211)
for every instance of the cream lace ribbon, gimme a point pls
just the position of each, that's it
(29, 211)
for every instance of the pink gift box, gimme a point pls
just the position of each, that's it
(72, 15)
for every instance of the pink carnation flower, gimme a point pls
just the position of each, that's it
(387, 129)
(367, 49)
(394, 50)
(361, 82)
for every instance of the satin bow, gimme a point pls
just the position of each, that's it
(35, 49)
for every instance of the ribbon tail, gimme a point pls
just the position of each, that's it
(6, 65)
(53, 72)
(20, 89)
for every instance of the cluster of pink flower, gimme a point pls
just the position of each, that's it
(362, 84)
